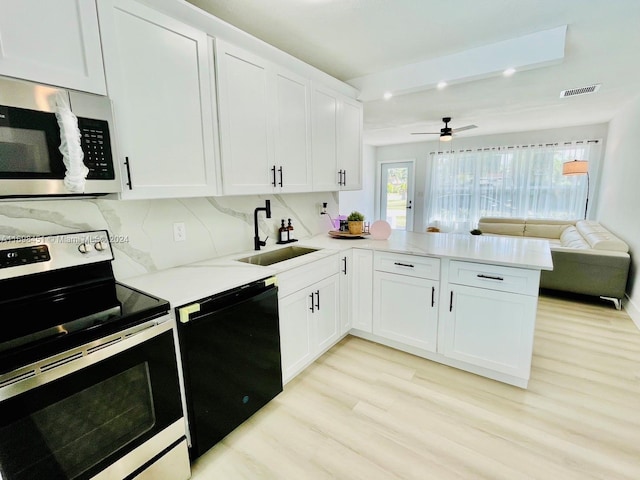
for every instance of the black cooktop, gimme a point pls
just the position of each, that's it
(34, 327)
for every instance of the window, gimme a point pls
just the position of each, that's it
(522, 181)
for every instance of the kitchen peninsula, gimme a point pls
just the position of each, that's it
(465, 301)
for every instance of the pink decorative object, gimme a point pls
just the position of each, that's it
(380, 230)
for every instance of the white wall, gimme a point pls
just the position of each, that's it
(362, 200)
(620, 192)
(420, 152)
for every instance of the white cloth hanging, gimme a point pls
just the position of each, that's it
(70, 147)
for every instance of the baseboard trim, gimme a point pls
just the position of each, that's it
(632, 310)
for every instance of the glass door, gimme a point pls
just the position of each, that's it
(396, 194)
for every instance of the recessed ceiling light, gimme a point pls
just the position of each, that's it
(387, 95)
(509, 71)
(441, 85)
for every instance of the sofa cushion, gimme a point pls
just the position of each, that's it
(545, 228)
(502, 226)
(599, 238)
(571, 238)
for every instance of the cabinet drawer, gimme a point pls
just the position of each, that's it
(494, 277)
(411, 265)
(301, 277)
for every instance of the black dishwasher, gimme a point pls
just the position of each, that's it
(230, 348)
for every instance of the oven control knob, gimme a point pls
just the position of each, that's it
(85, 248)
(99, 246)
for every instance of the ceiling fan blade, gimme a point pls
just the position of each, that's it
(425, 133)
(462, 129)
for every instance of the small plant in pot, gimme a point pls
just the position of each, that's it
(356, 223)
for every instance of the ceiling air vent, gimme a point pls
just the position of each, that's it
(572, 92)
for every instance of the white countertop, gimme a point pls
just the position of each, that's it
(192, 282)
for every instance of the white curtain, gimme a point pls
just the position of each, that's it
(520, 181)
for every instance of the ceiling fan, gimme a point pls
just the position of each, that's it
(446, 133)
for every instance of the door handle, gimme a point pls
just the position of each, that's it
(129, 183)
(409, 205)
(273, 172)
(344, 260)
(280, 170)
(318, 300)
(451, 301)
(433, 296)
(312, 304)
(344, 178)
(339, 177)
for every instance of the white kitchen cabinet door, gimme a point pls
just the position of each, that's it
(405, 310)
(324, 139)
(350, 144)
(362, 290)
(489, 329)
(52, 42)
(296, 332)
(292, 133)
(346, 290)
(158, 76)
(246, 121)
(326, 313)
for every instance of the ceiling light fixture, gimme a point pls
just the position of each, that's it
(509, 71)
(387, 95)
(441, 85)
(446, 136)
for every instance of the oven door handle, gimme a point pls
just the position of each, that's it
(48, 370)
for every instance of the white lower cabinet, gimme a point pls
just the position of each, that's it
(362, 290)
(405, 310)
(310, 316)
(490, 329)
(346, 290)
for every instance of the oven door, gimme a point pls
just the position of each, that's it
(112, 413)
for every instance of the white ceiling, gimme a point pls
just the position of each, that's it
(355, 38)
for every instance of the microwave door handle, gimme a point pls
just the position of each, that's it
(129, 182)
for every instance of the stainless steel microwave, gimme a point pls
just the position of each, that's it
(31, 161)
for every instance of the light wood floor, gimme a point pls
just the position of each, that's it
(365, 411)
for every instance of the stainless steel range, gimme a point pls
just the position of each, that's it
(88, 370)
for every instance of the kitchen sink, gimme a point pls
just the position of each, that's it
(276, 256)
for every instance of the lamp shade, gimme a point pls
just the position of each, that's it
(445, 137)
(576, 167)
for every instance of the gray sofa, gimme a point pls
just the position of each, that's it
(587, 258)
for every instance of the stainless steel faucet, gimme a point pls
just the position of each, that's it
(257, 243)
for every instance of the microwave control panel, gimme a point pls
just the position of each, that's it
(96, 146)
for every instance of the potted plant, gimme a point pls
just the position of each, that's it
(356, 223)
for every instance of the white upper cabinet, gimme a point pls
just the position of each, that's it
(350, 144)
(264, 124)
(336, 141)
(159, 78)
(52, 42)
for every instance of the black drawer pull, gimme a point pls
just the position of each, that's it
(480, 275)
(318, 300)
(129, 183)
(403, 264)
(312, 304)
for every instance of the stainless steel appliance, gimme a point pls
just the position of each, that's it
(88, 367)
(31, 163)
(230, 347)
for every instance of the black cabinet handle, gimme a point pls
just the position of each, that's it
(318, 300)
(312, 304)
(273, 172)
(433, 296)
(129, 183)
(280, 170)
(480, 275)
(451, 301)
(344, 260)
(340, 177)
(344, 178)
(404, 264)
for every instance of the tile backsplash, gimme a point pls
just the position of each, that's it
(142, 230)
